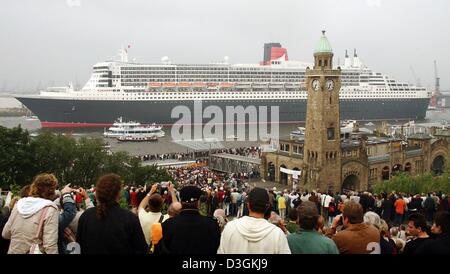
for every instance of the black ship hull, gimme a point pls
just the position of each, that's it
(55, 112)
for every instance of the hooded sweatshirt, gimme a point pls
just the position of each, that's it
(249, 235)
(27, 207)
(23, 223)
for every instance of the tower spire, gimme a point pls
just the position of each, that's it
(324, 45)
(322, 148)
(355, 54)
(323, 53)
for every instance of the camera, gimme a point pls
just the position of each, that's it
(341, 220)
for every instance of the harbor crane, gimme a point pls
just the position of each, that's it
(437, 84)
(415, 77)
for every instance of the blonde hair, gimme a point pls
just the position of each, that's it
(384, 228)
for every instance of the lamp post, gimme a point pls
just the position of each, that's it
(390, 159)
(209, 155)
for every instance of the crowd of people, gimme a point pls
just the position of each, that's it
(254, 152)
(217, 213)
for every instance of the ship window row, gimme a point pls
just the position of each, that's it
(182, 79)
(268, 74)
(148, 73)
(213, 76)
(203, 68)
(203, 93)
(147, 68)
(209, 97)
(235, 69)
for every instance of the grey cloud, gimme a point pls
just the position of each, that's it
(51, 42)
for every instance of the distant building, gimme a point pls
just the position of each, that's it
(327, 160)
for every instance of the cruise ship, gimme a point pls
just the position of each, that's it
(147, 93)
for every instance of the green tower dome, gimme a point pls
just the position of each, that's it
(324, 45)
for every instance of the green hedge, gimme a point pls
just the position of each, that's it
(416, 184)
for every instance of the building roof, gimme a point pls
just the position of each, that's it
(443, 133)
(240, 158)
(201, 144)
(419, 136)
(324, 45)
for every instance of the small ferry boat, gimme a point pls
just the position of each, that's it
(137, 138)
(120, 129)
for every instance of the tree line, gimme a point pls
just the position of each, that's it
(77, 161)
(416, 184)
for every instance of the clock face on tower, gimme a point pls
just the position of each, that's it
(330, 85)
(316, 84)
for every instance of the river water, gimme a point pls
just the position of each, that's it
(164, 144)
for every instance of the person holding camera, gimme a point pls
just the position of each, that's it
(356, 237)
(154, 202)
(68, 212)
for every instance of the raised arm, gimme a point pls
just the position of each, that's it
(87, 201)
(145, 200)
(173, 192)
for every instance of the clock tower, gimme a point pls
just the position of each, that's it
(322, 151)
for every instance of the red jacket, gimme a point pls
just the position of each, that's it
(220, 195)
(133, 198)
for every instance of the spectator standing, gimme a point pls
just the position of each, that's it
(429, 206)
(357, 237)
(154, 202)
(253, 234)
(189, 232)
(307, 240)
(417, 227)
(134, 198)
(292, 225)
(31, 214)
(282, 207)
(441, 228)
(400, 207)
(107, 228)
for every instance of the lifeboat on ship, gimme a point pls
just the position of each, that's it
(154, 85)
(184, 85)
(199, 85)
(169, 85)
(226, 85)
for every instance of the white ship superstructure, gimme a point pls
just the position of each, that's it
(119, 80)
(130, 89)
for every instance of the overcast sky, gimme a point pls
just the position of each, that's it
(52, 42)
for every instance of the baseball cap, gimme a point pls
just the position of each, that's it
(189, 194)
